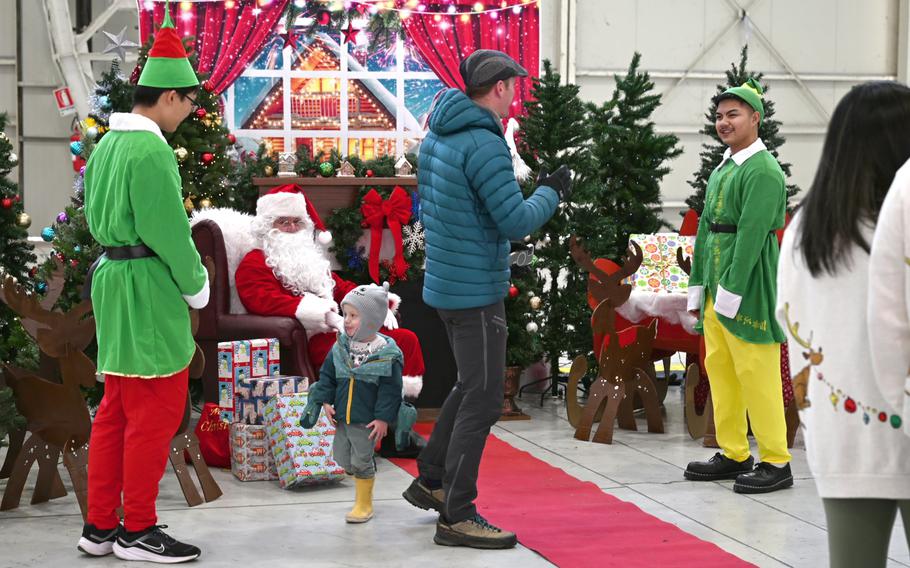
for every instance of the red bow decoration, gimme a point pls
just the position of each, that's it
(395, 211)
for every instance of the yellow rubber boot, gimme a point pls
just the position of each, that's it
(363, 501)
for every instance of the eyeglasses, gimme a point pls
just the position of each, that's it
(193, 102)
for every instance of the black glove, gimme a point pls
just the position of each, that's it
(560, 181)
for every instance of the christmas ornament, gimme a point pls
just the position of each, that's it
(119, 44)
(205, 203)
(48, 234)
(188, 205)
(350, 34)
(269, 171)
(513, 291)
(326, 169)
(62, 217)
(77, 249)
(41, 287)
(413, 237)
(7, 203)
(92, 132)
(531, 327)
(24, 220)
(208, 158)
(74, 263)
(232, 139)
(13, 159)
(76, 147)
(324, 18)
(369, 173)
(535, 303)
(180, 153)
(104, 102)
(201, 112)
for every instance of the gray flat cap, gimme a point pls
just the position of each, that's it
(487, 66)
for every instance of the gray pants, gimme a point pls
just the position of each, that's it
(353, 450)
(478, 340)
(859, 530)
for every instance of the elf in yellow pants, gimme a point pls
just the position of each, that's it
(734, 287)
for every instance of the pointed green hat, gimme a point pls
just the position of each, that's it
(751, 92)
(167, 66)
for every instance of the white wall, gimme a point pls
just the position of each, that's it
(831, 44)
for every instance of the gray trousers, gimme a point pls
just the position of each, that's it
(859, 530)
(478, 340)
(353, 450)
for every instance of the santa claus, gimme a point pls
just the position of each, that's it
(289, 274)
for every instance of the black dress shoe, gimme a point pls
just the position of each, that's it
(718, 467)
(764, 479)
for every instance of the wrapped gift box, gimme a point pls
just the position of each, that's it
(251, 395)
(303, 457)
(659, 271)
(251, 457)
(242, 360)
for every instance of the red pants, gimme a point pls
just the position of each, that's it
(128, 450)
(320, 344)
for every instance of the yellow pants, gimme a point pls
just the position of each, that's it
(745, 378)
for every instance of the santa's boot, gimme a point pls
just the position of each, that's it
(363, 501)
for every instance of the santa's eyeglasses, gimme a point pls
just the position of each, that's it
(289, 222)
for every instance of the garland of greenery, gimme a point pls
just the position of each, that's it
(332, 17)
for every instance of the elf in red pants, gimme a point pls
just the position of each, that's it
(140, 291)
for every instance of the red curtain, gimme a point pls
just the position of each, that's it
(227, 39)
(445, 42)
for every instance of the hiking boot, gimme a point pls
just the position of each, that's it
(475, 532)
(154, 545)
(718, 467)
(423, 497)
(765, 478)
(97, 542)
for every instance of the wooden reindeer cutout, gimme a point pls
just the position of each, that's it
(620, 368)
(56, 414)
(697, 424)
(814, 358)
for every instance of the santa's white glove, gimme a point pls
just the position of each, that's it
(334, 321)
(390, 321)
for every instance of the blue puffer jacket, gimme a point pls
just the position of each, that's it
(471, 205)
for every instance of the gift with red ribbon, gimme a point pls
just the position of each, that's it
(392, 212)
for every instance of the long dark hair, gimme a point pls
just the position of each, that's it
(868, 140)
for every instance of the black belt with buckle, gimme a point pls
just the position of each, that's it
(115, 253)
(719, 228)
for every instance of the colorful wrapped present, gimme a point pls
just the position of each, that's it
(251, 395)
(251, 457)
(303, 457)
(659, 271)
(242, 360)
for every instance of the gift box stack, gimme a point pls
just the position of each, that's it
(242, 360)
(303, 457)
(659, 271)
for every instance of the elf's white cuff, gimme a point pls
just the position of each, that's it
(727, 303)
(311, 313)
(411, 385)
(694, 297)
(200, 299)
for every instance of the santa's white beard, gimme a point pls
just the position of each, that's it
(298, 262)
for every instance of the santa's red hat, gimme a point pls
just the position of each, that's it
(290, 201)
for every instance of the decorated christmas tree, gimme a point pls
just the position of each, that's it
(15, 252)
(554, 132)
(713, 150)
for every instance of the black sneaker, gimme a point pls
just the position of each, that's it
(765, 478)
(422, 497)
(154, 545)
(97, 542)
(475, 532)
(718, 467)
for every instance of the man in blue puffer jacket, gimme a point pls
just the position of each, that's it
(471, 206)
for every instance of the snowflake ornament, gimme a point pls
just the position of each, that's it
(413, 237)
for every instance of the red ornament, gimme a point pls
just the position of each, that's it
(74, 263)
(200, 112)
(33, 271)
(883, 417)
(513, 291)
(208, 158)
(232, 139)
(16, 198)
(850, 405)
(324, 18)
(7, 203)
(369, 173)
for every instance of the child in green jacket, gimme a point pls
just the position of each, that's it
(359, 388)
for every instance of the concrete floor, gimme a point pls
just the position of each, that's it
(257, 523)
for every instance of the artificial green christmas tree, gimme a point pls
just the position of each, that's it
(713, 150)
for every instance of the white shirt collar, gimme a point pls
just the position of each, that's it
(131, 122)
(745, 153)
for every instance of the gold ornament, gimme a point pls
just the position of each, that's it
(269, 171)
(205, 203)
(181, 153)
(24, 220)
(188, 205)
(535, 302)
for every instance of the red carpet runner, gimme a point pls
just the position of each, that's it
(574, 523)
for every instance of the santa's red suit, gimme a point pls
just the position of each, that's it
(262, 292)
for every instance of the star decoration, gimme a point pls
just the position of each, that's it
(119, 44)
(350, 34)
(290, 38)
(413, 237)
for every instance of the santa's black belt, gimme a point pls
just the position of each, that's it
(129, 252)
(721, 228)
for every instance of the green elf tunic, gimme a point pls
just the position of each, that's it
(133, 196)
(739, 270)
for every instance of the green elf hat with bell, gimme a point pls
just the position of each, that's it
(750, 92)
(167, 66)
